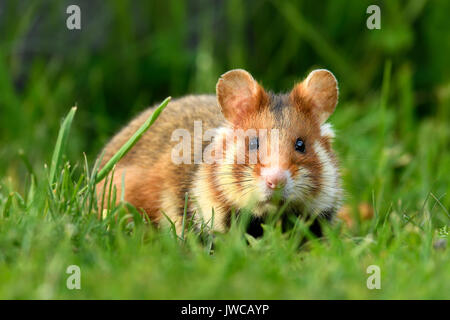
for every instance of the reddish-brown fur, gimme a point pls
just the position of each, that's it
(154, 183)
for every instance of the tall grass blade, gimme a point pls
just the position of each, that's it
(61, 143)
(131, 142)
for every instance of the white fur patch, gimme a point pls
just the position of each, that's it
(330, 191)
(301, 186)
(205, 203)
(326, 130)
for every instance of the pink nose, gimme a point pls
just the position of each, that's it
(276, 179)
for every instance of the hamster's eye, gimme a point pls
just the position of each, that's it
(254, 143)
(300, 145)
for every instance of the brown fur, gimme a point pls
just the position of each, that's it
(156, 184)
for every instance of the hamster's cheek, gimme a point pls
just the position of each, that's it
(289, 188)
(302, 183)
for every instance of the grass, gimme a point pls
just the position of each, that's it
(51, 226)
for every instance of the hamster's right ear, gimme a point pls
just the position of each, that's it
(317, 94)
(239, 95)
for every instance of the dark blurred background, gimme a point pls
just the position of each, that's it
(131, 54)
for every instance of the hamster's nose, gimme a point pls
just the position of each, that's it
(276, 179)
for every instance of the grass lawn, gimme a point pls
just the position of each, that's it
(391, 163)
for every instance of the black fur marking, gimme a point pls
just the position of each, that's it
(254, 227)
(328, 214)
(277, 103)
(228, 218)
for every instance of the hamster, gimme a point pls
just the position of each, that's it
(302, 171)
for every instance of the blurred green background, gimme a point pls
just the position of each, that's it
(131, 54)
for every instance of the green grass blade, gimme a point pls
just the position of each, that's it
(61, 143)
(8, 204)
(184, 215)
(131, 142)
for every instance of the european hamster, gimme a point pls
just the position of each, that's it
(237, 149)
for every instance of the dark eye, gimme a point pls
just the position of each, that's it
(300, 145)
(254, 144)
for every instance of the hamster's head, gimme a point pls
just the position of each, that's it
(282, 145)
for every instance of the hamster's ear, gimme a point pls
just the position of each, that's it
(317, 94)
(239, 95)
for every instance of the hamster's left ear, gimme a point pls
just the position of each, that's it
(317, 94)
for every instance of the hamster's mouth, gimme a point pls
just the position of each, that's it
(277, 203)
(270, 206)
(277, 197)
